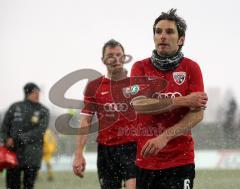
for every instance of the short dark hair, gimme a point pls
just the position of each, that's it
(29, 88)
(111, 43)
(172, 16)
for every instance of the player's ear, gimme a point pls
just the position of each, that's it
(181, 40)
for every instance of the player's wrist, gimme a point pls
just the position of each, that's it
(79, 153)
(164, 137)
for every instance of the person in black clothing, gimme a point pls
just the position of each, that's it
(23, 128)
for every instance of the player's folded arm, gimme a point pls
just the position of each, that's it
(185, 125)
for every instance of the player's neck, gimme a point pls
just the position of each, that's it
(119, 75)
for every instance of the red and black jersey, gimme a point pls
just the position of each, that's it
(186, 78)
(108, 100)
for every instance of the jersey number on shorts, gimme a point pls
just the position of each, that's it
(186, 184)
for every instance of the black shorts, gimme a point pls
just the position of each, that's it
(116, 164)
(174, 178)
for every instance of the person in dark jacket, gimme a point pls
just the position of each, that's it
(23, 128)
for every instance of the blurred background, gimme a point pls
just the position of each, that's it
(43, 41)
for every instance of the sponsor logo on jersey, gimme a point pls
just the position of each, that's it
(128, 91)
(104, 92)
(160, 95)
(116, 107)
(179, 77)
